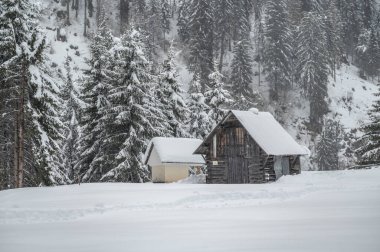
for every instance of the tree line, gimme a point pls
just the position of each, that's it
(57, 130)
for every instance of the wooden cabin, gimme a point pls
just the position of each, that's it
(171, 158)
(250, 147)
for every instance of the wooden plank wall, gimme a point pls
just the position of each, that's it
(240, 159)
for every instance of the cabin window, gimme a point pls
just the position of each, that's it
(239, 136)
(214, 144)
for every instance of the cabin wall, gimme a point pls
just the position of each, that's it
(167, 173)
(234, 157)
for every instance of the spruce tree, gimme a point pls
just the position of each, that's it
(183, 20)
(173, 104)
(133, 118)
(224, 18)
(96, 86)
(334, 36)
(313, 68)
(369, 150)
(217, 97)
(201, 40)
(241, 77)
(34, 130)
(329, 145)
(277, 51)
(199, 122)
(71, 112)
(369, 52)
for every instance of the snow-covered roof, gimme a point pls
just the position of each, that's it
(268, 133)
(173, 150)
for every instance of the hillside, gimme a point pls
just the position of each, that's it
(86, 84)
(315, 211)
(350, 97)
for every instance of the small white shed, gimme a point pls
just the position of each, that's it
(170, 158)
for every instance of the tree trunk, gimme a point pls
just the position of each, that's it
(221, 51)
(15, 154)
(20, 168)
(124, 15)
(85, 19)
(68, 12)
(76, 8)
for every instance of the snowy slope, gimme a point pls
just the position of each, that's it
(350, 96)
(76, 46)
(315, 211)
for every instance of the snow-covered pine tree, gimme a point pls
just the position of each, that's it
(241, 66)
(295, 16)
(199, 122)
(223, 10)
(329, 145)
(183, 20)
(201, 40)
(277, 51)
(369, 150)
(369, 12)
(313, 67)
(241, 76)
(369, 52)
(241, 12)
(27, 75)
(217, 97)
(334, 36)
(352, 23)
(133, 118)
(171, 97)
(71, 112)
(165, 20)
(95, 91)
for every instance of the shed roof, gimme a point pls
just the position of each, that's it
(175, 150)
(267, 132)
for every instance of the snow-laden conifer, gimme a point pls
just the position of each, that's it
(30, 88)
(199, 122)
(96, 86)
(171, 97)
(329, 145)
(71, 112)
(313, 66)
(134, 119)
(217, 97)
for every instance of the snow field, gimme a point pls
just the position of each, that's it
(315, 211)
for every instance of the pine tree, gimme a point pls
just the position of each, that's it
(313, 68)
(369, 52)
(27, 79)
(329, 146)
(223, 26)
(199, 122)
(241, 77)
(201, 40)
(352, 23)
(277, 52)
(369, 150)
(71, 113)
(171, 97)
(165, 20)
(183, 20)
(95, 93)
(217, 97)
(334, 36)
(133, 118)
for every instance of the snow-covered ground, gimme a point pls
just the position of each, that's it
(315, 211)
